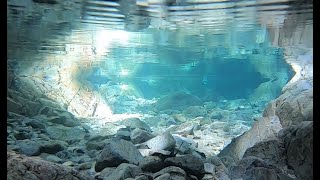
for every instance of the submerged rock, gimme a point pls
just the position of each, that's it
(151, 164)
(264, 128)
(123, 171)
(139, 136)
(177, 101)
(299, 148)
(271, 151)
(28, 147)
(133, 123)
(195, 111)
(161, 142)
(170, 172)
(253, 168)
(60, 132)
(190, 163)
(292, 109)
(116, 152)
(22, 167)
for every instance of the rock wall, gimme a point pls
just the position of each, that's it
(289, 148)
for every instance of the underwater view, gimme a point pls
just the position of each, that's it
(160, 89)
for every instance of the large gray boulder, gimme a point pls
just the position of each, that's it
(60, 132)
(220, 169)
(299, 149)
(20, 167)
(271, 151)
(265, 127)
(133, 123)
(295, 108)
(139, 136)
(123, 171)
(28, 147)
(151, 164)
(116, 152)
(253, 168)
(190, 163)
(170, 172)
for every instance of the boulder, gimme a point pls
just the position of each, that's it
(179, 117)
(133, 123)
(34, 123)
(28, 147)
(95, 145)
(14, 106)
(161, 142)
(299, 149)
(123, 171)
(253, 168)
(220, 169)
(177, 101)
(154, 152)
(295, 108)
(21, 167)
(195, 111)
(190, 163)
(170, 172)
(64, 120)
(53, 158)
(52, 147)
(138, 136)
(271, 151)
(265, 127)
(60, 132)
(116, 152)
(209, 168)
(185, 129)
(123, 133)
(151, 164)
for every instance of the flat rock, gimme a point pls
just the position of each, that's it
(184, 129)
(153, 152)
(177, 101)
(60, 132)
(64, 120)
(190, 163)
(161, 142)
(53, 158)
(116, 152)
(134, 123)
(195, 111)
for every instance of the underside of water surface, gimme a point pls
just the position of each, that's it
(199, 69)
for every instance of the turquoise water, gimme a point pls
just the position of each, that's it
(125, 55)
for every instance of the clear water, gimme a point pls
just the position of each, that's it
(103, 59)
